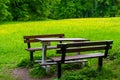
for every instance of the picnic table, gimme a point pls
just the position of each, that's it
(46, 41)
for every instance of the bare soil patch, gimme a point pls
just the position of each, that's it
(23, 74)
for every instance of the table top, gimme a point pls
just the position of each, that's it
(60, 39)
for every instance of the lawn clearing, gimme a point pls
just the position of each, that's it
(12, 47)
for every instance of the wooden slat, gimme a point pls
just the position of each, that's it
(43, 36)
(45, 64)
(66, 62)
(91, 48)
(60, 39)
(85, 43)
(40, 48)
(27, 41)
(83, 49)
(56, 39)
(82, 56)
(39, 61)
(32, 38)
(75, 61)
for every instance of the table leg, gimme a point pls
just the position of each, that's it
(44, 50)
(44, 47)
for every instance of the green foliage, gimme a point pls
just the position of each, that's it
(84, 8)
(115, 55)
(25, 63)
(5, 15)
(40, 9)
(38, 72)
(24, 10)
(66, 10)
(89, 74)
(19, 9)
(73, 66)
(30, 9)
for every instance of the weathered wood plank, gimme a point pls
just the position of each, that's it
(66, 62)
(28, 39)
(40, 48)
(76, 57)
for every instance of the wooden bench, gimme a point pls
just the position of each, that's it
(31, 39)
(82, 47)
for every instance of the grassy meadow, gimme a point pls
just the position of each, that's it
(12, 46)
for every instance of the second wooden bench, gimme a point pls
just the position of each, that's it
(81, 47)
(31, 39)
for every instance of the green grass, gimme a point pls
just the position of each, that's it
(12, 47)
(89, 74)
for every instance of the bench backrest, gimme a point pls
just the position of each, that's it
(31, 39)
(83, 46)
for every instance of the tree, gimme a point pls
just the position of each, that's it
(5, 15)
(57, 9)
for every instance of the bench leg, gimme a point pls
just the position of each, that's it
(100, 63)
(58, 70)
(31, 59)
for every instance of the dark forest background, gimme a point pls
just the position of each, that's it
(25, 10)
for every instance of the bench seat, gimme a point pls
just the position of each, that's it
(66, 62)
(82, 56)
(40, 48)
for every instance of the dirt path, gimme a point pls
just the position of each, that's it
(22, 74)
